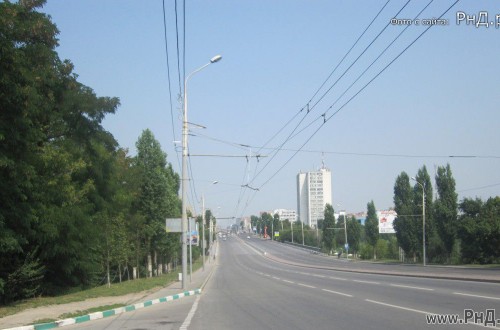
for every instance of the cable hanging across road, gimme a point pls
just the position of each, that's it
(308, 108)
(326, 119)
(362, 73)
(169, 81)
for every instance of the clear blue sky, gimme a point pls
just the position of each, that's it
(440, 98)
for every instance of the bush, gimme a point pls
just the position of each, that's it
(365, 251)
(25, 281)
(382, 249)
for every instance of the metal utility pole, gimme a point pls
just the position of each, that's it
(423, 217)
(203, 228)
(303, 233)
(184, 187)
(345, 231)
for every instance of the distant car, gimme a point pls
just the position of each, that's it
(248, 237)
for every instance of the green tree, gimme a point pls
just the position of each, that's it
(339, 232)
(55, 157)
(371, 227)
(328, 228)
(254, 220)
(354, 232)
(267, 223)
(446, 208)
(479, 230)
(24, 105)
(382, 248)
(276, 223)
(405, 225)
(424, 179)
(157, 199)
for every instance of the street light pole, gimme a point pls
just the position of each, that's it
(203, 228)
(303, 233)
(209, 230)
(184, 171)
(345, 231)
(423, 217)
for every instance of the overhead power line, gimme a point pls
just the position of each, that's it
(359, 56)
(374, 154)
(178, 49)
(362, 73)
(355, 95)
(225, 156)
(348, 52)
(310, 108)
(169, 81)
(479, 188)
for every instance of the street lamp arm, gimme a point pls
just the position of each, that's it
(214, 59)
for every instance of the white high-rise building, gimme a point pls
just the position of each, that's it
(314, 191)
(289, 215)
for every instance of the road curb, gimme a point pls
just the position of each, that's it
(390, 273)
(269, 256)
(104, 314)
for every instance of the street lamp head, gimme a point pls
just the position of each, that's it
(215, 182)
(215, 59)
(413, 178)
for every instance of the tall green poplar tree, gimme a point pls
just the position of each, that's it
(157, 199)
(430, 228)
(405, 225)
(445, 207)
(371, 227)
(328, 237)
(354, 231)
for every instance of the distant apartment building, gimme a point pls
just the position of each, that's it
(290, 215)
(246, 224)
(314, 191)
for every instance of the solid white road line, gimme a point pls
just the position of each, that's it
(190, 315)
(340, 293)
(411, 287)
(477, 296)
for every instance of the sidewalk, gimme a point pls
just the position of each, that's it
(29, 316)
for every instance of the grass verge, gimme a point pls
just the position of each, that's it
(116, 289)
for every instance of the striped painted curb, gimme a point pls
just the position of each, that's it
(101, 315)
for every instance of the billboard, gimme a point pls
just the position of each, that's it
(192, 238)
(385, 220)
(173, 225)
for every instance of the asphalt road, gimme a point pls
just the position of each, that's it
(250, 291)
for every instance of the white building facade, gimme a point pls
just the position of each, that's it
(290, 215)
(314, 191)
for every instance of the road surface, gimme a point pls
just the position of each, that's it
(250, 291)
